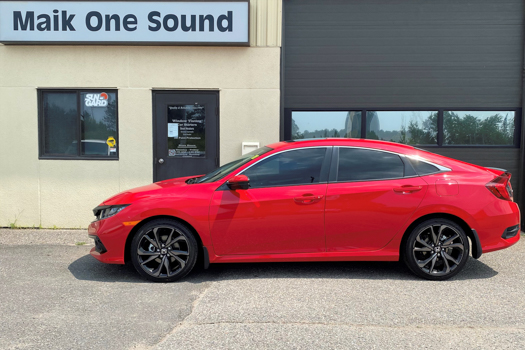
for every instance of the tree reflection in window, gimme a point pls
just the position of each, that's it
(478, 128)
(60, 122)
(493, 128)
(408, 127)
(323, 124)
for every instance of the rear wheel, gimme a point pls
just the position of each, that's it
(436, 249)
(164, 250)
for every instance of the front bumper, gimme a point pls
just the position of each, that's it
(110, 237)
(99, 246)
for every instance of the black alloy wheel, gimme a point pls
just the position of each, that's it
(164, 250)
(436, 249)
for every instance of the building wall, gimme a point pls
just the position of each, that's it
(62, 193)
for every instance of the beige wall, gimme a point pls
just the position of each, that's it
(62, 193)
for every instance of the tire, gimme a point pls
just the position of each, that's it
(436, 249)
(164, 250)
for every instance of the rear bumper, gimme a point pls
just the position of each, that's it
(493, 228)
(502, 244)
(110, 237)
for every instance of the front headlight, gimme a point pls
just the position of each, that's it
(105, 211)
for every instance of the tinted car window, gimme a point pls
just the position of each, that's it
(229, 167)
(361, 164)
(422, 168)
(288, 168)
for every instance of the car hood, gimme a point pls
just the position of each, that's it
(171, 187)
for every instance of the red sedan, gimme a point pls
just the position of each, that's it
(314, 200)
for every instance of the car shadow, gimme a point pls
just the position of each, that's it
(87, 268)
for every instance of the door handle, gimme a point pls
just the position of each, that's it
(161, 161)
(308, 198)
(406, 189)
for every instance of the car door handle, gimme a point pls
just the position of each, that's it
(308, 198)
(406, 189)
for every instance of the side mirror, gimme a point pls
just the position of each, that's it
(239, 182)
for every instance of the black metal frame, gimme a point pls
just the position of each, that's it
(41, 125)
(286, 134)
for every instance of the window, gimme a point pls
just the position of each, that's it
(408, 127)
(298, 167)
(78, 124)
(438, 127)
(422, 168)
(479, 128)
(361, 164)
(309, 125)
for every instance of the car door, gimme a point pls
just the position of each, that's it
(281, 212)
(370, 196)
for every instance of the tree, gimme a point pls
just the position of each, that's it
(470, 130)
(296, 134)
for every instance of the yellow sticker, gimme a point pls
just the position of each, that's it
(255, 156)
(111, 141)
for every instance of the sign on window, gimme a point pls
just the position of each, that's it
(187, 131)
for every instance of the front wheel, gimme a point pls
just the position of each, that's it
(164, 250)
(436, 249)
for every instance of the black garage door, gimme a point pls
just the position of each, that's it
(381, 67)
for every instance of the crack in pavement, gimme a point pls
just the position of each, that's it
(182, 323)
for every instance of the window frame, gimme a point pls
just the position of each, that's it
(287, 122)
(408, 171)
(41, 125)
(325, 166)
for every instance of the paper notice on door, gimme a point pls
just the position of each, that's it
(173, 130)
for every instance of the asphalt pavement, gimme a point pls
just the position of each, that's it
(53, 295)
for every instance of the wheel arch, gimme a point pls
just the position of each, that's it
(137, 227)
(475, 246)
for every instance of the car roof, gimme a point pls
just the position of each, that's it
(379, 145)
(367, 143)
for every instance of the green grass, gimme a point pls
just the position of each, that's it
(14, 224)
(80, 243)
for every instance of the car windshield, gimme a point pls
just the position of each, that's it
(228, 168)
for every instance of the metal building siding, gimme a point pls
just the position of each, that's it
(407, 54)
(402, 53)
(265, 22)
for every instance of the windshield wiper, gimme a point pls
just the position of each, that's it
(206, 178)
(192, 180)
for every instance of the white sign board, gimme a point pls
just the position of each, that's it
(114, 22)
(173, 130)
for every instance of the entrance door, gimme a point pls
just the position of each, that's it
(186, 133)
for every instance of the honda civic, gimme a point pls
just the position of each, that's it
(313, 200)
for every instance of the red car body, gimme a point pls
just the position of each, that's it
(351, 221)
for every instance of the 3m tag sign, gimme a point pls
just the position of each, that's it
(83, 22)
(96, 100)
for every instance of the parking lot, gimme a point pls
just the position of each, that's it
(54, 295)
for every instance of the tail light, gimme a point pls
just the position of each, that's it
(501, 187)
